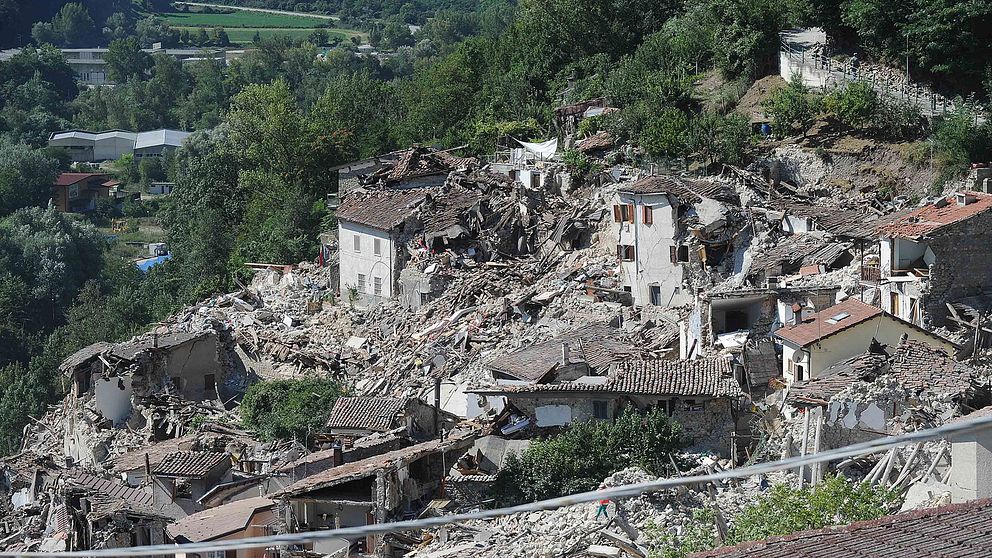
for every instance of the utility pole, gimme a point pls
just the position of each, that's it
(907, 58)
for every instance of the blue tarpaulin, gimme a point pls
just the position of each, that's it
(148, 263)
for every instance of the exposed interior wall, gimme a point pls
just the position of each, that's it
(113, 398)
(192, 365)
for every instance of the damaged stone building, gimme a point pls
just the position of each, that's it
(674, 235)
(935, 255)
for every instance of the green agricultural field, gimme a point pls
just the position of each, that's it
(241, 26)
(253, 20)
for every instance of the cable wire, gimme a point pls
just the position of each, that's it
(958, 427)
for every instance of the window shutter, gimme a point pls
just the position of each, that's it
(648, 215)
(630, 212)
(616, 214)
(674, 253)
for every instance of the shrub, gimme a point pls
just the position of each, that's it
(579, 458)
(284, 409)
(856, 106)
(792, 107)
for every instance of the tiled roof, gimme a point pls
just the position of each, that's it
(707, 377)
(839, 221)
(602, 140)
(368, 467)
(837, 378)
(156, 452)
(796, 251)
(377, 414)
(381, 209)
(213, 523)
(70, 178)
(597, 345)
(82, 355)
(193, 464)
(131, 349)
(422, 161)
(688, 191)
(450, 210)
(929, 219)
(920, 366)
(958, 530)
(819, 327)
(112, 488)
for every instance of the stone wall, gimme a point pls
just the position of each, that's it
(962, 269)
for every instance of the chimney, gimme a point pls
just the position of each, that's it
(807, 312)
(797, 315)
(564, 354)
(338, 453)
(964, 198)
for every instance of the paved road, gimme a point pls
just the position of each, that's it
(263, 10)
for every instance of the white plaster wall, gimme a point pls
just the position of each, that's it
(113, 398)
(553, 415)
(855, 341)
(811, 77)
(795, 224)
(971, 467)
(906, 252)
(794, 353)
(652, 243)
(365, 262)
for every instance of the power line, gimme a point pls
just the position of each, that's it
(874, 446)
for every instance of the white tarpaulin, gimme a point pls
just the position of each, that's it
(544, 150)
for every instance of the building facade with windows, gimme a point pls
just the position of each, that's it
(668, 231)
(371, 226)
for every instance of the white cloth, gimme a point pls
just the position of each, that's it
(544, 150)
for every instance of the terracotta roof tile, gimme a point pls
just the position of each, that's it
(213, 523)
(378, 414)
(190, 463)
(597, 345)
(602, 140)
(931, 218)
(957, 530)
(70, 178)
(707, 377)
(381, 209)
(819, 326)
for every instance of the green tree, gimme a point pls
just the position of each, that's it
(26, 177)
(579, 458)
(289, 409)
(74, 26)
(792, 107)
(959, 141)
(43, 32)
(118, 26)
(856, 105)
(126, 60)
(835, 501)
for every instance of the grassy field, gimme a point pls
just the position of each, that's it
(241, 26)
(241, 19)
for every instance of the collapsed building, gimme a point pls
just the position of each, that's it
(674, 235)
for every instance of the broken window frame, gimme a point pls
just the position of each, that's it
(625, 252)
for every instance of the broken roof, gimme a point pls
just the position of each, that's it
(798, 251)
(706, 377)
(601, 140)
(214, 523)
(131, 349)
(837, 378)
(687, 191)
(837, 220)
(450, 211)
(156, 452)
(381, 209)
(596, 345)
(829, 321)
(194, 464)
(85, 354)
(369, 467)
(954, 530)
(424, 161)
(935, 216)
(377, 414)
(110, 488)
